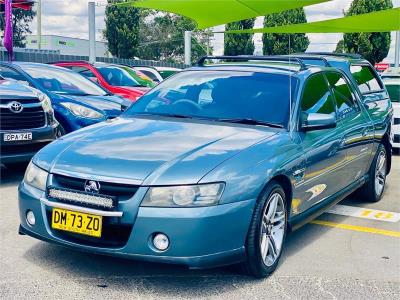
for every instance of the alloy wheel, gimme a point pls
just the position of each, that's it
(272, 229)
(380, 173)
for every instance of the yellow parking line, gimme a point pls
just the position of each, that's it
(357, 228)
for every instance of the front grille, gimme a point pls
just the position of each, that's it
(115, 232)
(29, 118)
(81, 198)
(115, 190)
(21, 148)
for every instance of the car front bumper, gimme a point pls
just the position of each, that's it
(199, 237)
(23, 151)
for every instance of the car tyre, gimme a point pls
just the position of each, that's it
(267, 233)
(373, 189)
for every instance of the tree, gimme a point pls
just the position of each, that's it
(372, 46)
(242, 43)
(162, 37)
(285, 43)
(339, 47)
(21, 22)
(122, 30)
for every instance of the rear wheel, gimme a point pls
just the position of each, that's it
(373, 190)
(266, 236)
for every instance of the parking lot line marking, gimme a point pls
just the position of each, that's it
(365, 213)
(357, 228)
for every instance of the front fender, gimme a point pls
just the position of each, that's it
(247, 173)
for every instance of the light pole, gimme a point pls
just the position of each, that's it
(92, 32)
(39, 24)
(188, 48)
(397, 50)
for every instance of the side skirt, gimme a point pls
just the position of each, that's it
(301, 219)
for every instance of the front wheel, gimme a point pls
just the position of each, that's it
(266, 236)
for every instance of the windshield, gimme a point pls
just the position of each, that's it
(116, 76)
(220, 95)
(394, 92)
(63, 81)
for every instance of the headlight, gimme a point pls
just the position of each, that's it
(82, 111)
(184, 196)
(36, 177)
(46, 102)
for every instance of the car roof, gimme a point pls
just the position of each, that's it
(21, 64)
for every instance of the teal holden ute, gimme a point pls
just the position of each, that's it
(217, 164)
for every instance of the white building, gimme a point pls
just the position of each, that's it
(67, 45)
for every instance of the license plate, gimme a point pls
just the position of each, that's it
(22, 136)
(76, 222)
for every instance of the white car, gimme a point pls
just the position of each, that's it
(150, 72)
(391, 79)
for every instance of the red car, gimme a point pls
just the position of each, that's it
(112, 77)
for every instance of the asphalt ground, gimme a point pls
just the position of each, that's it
(336, 257)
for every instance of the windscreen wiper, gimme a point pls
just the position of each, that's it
(248, 121)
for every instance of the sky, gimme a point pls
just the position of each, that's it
(69, 18)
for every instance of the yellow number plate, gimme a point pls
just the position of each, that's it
(76, 222)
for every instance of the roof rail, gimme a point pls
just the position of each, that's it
(349, 55)
(287, 59)
(305, 56)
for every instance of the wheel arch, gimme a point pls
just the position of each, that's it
(286, 184)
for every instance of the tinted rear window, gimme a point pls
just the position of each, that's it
(366, 79)
(394, 92)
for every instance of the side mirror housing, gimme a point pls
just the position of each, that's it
(316, 121)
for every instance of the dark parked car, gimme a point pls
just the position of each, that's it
(216, 164)
(77, 101)
(27, 122)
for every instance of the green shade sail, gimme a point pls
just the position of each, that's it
(380, 21)
(208, 13)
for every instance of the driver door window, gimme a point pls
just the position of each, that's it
(317, 97)
(346, 102)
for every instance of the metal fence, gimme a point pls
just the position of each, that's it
(53, 57)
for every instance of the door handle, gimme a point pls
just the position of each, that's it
(299, 174)
(342, 142)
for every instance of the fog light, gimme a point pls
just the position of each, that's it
(161, 242)
(30, 218)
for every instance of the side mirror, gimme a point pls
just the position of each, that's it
(317, 121)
